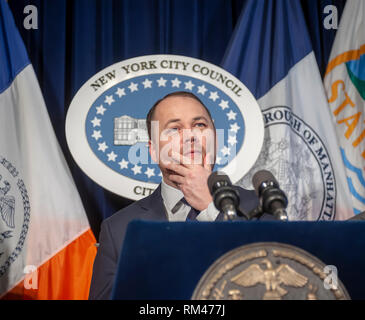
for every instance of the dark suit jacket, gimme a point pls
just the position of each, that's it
(113, 230)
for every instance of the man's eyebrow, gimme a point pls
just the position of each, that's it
(194, 119)
(172, 120)
(200, 118)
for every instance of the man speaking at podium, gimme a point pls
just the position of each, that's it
(182, 140)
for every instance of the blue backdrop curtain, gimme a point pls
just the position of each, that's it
(76, 39)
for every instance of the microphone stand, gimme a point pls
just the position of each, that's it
(273, 201)
(255, 213)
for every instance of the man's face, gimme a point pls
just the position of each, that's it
(182, 131)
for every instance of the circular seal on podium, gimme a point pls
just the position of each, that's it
(270, 271)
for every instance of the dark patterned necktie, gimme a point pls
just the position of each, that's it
(193, 213)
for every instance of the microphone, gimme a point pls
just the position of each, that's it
(272, 199)
(225, 197)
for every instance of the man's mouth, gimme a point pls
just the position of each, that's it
(194, 155)
(192, 152)
(193, 149)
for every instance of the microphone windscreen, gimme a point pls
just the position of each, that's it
(217, 179)
(262, 176)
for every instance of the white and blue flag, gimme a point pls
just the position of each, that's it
(271, 53)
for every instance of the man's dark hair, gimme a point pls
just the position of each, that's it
(173, 94)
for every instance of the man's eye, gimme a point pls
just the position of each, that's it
(200, 124)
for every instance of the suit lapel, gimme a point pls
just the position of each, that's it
(153, 205)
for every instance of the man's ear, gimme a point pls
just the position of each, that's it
(153, 151)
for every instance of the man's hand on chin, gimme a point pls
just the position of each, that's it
(192, 180)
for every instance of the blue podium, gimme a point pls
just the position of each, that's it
(165, 260)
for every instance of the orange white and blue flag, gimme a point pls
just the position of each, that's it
(46, 245)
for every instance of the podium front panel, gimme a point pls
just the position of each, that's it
(165, 260)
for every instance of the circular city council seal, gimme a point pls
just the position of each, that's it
(298, 158)
(269, 271)
(106, 128)
(14, 214)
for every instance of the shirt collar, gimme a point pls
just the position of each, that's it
(170, 195)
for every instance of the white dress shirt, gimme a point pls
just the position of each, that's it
(171, 197)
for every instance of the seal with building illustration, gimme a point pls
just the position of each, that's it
(106, 122)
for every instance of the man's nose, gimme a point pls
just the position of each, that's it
(189, 135)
